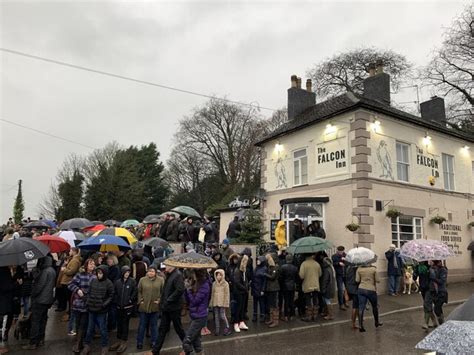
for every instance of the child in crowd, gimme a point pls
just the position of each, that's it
(220, 300)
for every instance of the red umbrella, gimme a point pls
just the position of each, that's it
(94, 229)
(55, 244)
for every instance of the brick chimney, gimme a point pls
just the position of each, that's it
(299, 99)
(377, 85)
(433, 110)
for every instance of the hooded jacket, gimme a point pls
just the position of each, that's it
(259, 279)
(288, 275)
(220, 261)
(220, 296)
(101, 292)
(238, 275)
(149, 293)
(42, 291)
(72, 268)
(328, 279)
(172, 297)
(198, 302)
(273, 272)
(310, 272)
(125, 295)
(280, 234)
(7, 288)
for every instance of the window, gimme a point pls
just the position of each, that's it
(406, 228)
(300, 167)
(403, 161)
(298, 216)
(448, 171)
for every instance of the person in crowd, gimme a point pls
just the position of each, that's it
(226, 250)
(234, 229)
(220, 301)
(125, 297)
(288, 275)
(249, 273)
(164, 227)
(421, 273)
(171, 303)
(438, 290)
(280, 235)
(7, 289)
(315, 230)
(191, 232)
(258, 289)
(327, 283)
(237, 274)
(99, 299)
(220, 261)
(79, 288)
(339, 264)
(149, 294)
(172, 229)
(367, 278)
(272, 287)
(114, 271)
(210, 230)
(42, 298)
(67, 272)
(352, 287)
(123, 260)
(310, 272)
(8, 234)
(394, 269)
(297, 229)
(197, 296)
(139, 267)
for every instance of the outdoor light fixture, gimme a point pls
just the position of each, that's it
(278, 147)
(375, 126)
(466, 147)
(427, 140)
(330, 129)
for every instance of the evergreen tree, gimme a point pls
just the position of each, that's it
(97, 197)
(252, 227)
(70, 194)
(19, 206)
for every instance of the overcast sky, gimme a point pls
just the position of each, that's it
(246, 51)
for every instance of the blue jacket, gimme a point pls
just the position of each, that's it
(391, 269)
(259, 279)
(336, 259)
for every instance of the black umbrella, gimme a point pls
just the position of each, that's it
(152, 218)
(112, 223)
(156, 242)
(306, 211)
(97, 222)
(21, 250)
(75, 223)
(37, 225)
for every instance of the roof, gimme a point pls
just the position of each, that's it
(348, 102)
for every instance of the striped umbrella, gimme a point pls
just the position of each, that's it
(118, 232)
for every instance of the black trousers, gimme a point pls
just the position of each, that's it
(289, 304)
(239, 312)
(123, 322)
(192, 340)
(165, 326)
(39, 318)
(63, 296)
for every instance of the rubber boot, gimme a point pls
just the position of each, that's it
(361, 322)
(122, 347)
(115, 346)
(330, 315)
(375, 311)
(276, 317)
(434, 319)
(426, 326)
(354, 318)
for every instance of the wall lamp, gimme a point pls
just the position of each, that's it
(427, 140)
(375, 126)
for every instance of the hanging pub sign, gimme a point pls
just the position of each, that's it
(331, 157)
(427, 161)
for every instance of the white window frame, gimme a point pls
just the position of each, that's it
(298, 180)
(406, 164)
(448, 176)
(417, 225)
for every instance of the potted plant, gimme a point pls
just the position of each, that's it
(393, 213)
(438, 219)
(352, 226)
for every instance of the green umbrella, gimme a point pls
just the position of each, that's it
(309, 245)
(186, 211)
(129, 223)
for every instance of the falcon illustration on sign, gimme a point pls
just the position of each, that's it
(280, 173)
(385, 160)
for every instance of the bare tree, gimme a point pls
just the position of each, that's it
(99, 158)
(346, 71)
(51, 203)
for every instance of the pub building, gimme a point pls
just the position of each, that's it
(354, 157)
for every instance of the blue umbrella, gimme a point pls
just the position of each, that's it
(51, 223)
(104, 243)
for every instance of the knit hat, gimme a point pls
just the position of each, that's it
(226, 241)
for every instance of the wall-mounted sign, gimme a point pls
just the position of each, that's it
(451, 236)
(427, 161)
(332, 157)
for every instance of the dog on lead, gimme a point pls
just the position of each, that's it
(408, 282)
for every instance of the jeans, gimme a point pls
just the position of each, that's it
(145, 319)
(165, 324)
(71, 324)
(259, 302)
(39, 318)
(393, 284)
(192, 339)
(99, 319)
(371, 296)
(289, 304)
(340, 289)
(25, 301)
(219, 314)
(439, 299)
(123, 322)
(82, 321)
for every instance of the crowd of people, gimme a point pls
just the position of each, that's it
(101, 292)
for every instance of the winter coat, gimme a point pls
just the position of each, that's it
(247, 251)
(220, 296)
(280, 234)
(211, 233)
(391, 269)
(422, 273)
(72, 269)
(198, 302)
(317, 232)
(336, 260)
(149, 294)
(125, 293)
(220, 261)
(163, 229)
(101, 293)
(438, 278)
(123, 260)
(288, 275)
(190, 233)
(173, 290)
(238, 276)
(367, 278)
(81, 281)
(227, 253)
(273, 272)
(259, 279)
(139, 269)
(114, 273)
(43, 284)
(172, 231)
(233, 231)
(7, 289)
(328, 279)
(310, 272)
(351, 284)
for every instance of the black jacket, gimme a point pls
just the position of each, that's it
(42, 291)
(125, 295)
(288, 275)
(234, 230)
(101, 293)
(7, 288)
(351, 285)
(173, 292)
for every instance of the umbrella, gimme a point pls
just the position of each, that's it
(55, 244)
(156, 242)
(20, 251)
(72, 237)
(52, 224)
(464, 312)
(75, 223)
(450, 338)
(37, 225)
(423, 250)
(309, 245)
(118, 232)
(151, 219)
(186, 211)
(471, 246)
(93, 229)
(129, 223)
(306, 211)
(191, 261)
(105, 243)
(163, 215)
(97, 222)
(112, 223)
(361, 256)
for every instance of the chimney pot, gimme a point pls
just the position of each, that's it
(434, 110)
(294, 80)
(299, 99)
(298, 83)
(371, 69)
(309, 85)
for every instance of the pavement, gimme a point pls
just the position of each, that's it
(402, 317)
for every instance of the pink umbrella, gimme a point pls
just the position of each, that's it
(425, 249)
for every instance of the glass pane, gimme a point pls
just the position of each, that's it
(394, 227)
(406, 229)
(296, 170)
(406, 236)
(304, 170)
(299, 153)
(399, 152)
(406, 220)
(402, 172)
(405, 153)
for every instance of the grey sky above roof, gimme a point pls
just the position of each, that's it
(243, 50)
